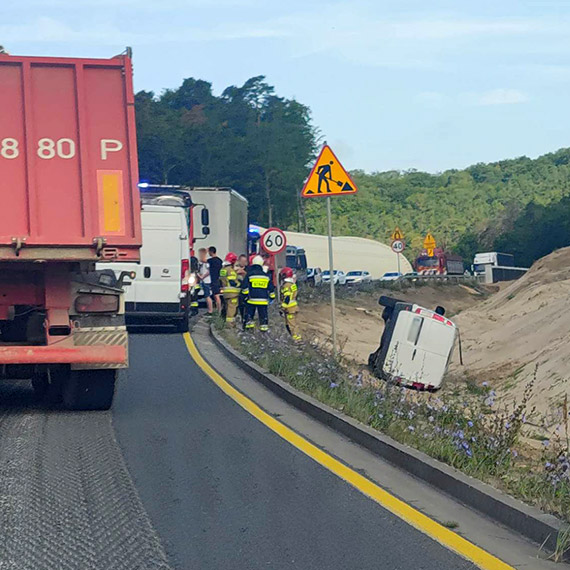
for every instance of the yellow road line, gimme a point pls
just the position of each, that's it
(402, 510)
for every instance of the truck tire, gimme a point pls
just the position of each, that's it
(89, 389)
(40, 384)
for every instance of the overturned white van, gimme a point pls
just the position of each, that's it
(415, 347)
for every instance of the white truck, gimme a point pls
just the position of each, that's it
(495, 267)
(492, 258)
(228, 219)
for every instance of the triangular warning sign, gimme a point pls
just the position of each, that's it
(328, 177)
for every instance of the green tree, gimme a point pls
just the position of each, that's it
(247, 138)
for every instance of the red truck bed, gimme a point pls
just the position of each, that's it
(68, 160)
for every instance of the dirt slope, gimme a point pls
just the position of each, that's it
(524, 325)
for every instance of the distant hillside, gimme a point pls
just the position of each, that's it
(466, 210)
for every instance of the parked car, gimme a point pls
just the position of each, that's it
(314, 276)
(339, 277)
(390, 276)
(357, 277)
(411, 276)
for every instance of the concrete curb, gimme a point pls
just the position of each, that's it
(528, 521)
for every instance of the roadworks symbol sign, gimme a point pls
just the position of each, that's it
(328, 177)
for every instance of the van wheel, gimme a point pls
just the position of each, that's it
(89, 389)
(183, 325)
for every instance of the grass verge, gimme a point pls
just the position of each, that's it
(472, 432)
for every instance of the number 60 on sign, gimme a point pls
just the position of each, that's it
(273, 241)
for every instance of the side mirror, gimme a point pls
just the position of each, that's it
(206, 231)
(205, 218)
(126, 278)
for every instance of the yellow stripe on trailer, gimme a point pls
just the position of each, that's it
(111, 206)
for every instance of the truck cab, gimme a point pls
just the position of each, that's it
(296, 259)
(493, 259)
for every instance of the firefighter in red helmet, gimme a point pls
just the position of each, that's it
(258, 290)
(230, 287)
(289, 305)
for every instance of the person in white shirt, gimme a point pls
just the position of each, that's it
(205, 279)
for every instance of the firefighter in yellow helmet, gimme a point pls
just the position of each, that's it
(230, 287)
(289, 306)
(259, 292)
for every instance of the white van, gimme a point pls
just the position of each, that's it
(416, 346)
(159, 293)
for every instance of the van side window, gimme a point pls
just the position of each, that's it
(415, 329)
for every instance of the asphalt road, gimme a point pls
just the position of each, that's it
(66, 498)
(224, 492)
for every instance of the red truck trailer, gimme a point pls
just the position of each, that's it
(68, 198)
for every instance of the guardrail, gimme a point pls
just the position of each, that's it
(443, 278)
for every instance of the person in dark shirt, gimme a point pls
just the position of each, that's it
(215, 264)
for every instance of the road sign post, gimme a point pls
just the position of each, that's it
(329, 178)
(331, 275)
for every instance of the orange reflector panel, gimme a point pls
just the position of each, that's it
(111, 206)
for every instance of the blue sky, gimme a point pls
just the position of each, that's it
(392, 84)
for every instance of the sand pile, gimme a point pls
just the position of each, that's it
(524, 325)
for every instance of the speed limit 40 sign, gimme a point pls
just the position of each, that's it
(398, 246)
(273, 241)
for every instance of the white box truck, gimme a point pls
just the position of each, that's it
(228, 219)
(492, 258)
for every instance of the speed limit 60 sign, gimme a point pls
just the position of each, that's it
(398, 246)
(273, 241)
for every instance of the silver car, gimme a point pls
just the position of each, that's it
(357, 277)
(339, 277)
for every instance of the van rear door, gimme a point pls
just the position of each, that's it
(158, 277)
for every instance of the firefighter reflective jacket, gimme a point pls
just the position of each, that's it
(288, 294)
(229, 280)
(257, 286)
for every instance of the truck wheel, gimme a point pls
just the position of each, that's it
(40, 384)
(89, 389)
